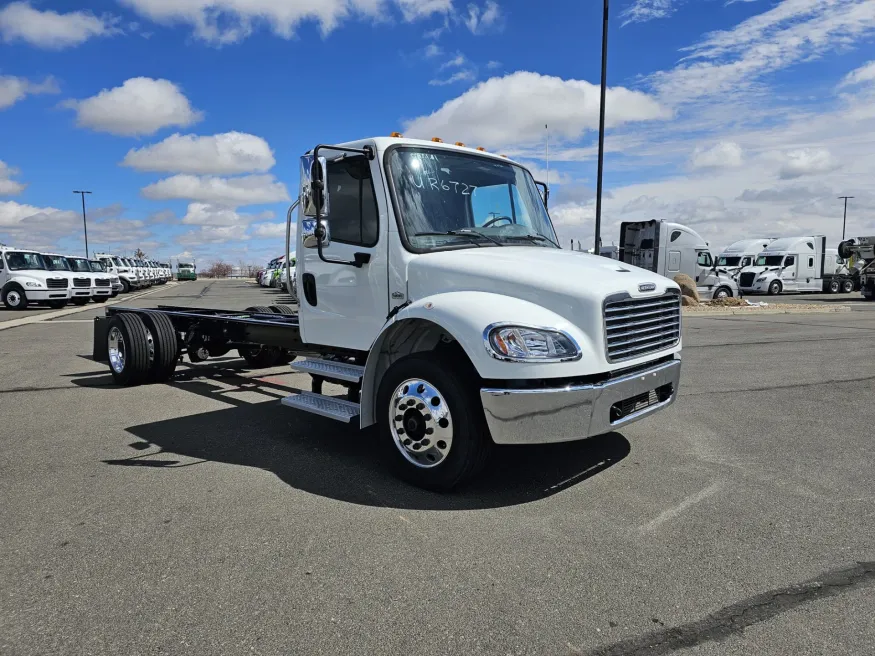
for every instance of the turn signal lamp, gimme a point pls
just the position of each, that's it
(437, 139)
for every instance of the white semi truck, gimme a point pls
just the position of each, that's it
(797, 264)
(25, 278)
(670, 249)
(432, 287)
(100, 283)
(740, 254)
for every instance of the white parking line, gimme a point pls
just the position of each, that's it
(671, 513)
(38, 318)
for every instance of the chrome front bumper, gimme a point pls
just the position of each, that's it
(563, 414)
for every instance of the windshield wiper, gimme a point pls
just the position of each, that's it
(537, 237)
(464, 232)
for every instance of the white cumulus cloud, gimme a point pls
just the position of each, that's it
(213, 235)
(19, 21)
(514, 109)
(220, 154)
(8, 186)
(724, 154)
(807, 161)
(866, 73)
(140, 106)
(231, 21)
(206, 214)
(229, 192)
(482, 19)
(13, 89)
(271, 230)
(642, 11)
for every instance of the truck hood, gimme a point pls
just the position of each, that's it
(571, 284)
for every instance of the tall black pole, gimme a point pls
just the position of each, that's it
(845, 219)
(598, 194)
(84, 221)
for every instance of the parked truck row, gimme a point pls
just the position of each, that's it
(750, 266)
(31, 277)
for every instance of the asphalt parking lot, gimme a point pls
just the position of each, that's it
(202, 517)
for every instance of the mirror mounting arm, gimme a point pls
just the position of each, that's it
(360, 258)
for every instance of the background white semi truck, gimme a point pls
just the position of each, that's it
(414, 266)
(740, 254)
(798, 264)
(25, 279)
(670, 249)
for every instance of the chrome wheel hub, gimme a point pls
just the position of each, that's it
(421, 423)
(117, 353)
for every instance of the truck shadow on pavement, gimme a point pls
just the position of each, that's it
(322, 457)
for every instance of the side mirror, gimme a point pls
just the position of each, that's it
(309, 238)
(314, 185)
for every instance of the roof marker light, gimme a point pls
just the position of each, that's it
(459, 143)
(396, 135)
(437, 139)
(481, 149)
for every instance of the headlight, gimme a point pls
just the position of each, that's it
(32, 284)
(527, 344)
(761, 279)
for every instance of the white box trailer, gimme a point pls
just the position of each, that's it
(431, 286)
(670, 249)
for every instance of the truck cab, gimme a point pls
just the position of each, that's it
(80, 284)
(25, 278)
(740, 254)
(792, 264)
(431, 285)
(670, 249)
(185, 271)
(100, 283)
(99, 268)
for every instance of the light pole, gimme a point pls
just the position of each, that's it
(84, 222)
(845, 219)
(598, 193)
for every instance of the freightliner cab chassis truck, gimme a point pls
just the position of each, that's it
(432, 287)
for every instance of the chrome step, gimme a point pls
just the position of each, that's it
(327, 406)
(329, 369)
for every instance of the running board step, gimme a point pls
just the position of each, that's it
(327, 406)
(330, 369)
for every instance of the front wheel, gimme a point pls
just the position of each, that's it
(126, 286)
(14, 298)
(80, 300)
(432, 430)
(57, 304)
(775, 288)
(99, 299)
(722, 292)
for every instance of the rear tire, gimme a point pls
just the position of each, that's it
(14, 298)
(437, 443)
(259, 309)
(282, 309)
(834, 286)
(165, 344)
(775, 288)
(848, 286)
(128, 348)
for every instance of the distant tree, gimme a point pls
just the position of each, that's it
(139, 254)
(219, 269)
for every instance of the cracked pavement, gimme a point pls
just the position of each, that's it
(202, 517)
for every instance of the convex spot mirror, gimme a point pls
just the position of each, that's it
(314, 186)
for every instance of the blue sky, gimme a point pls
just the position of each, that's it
(186, 118)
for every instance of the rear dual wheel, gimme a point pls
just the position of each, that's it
(141, 348)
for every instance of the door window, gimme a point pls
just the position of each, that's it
(704, 259)
(745, 261)
(353, 217)
(789, 261)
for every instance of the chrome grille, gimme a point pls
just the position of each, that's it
(56, 283)
(746, 279)
(81, 282)
(638, 326)
(102, 282)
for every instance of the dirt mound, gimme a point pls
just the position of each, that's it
(688, 286)
(686, 301)
(728, 302)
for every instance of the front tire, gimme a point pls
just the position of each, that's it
(432, 430)
(14, 298)
(80, 300)
(126, 286)
(100, 299)
(58, 304)
(775, 288)
(722, 292)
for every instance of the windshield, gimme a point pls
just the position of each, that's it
(728, 261)
(56, 263)
(441, 191)
(79, 265)
(20, 261)
(118, 262)
(96, 266)
(770, 260)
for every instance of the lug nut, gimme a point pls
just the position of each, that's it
(426, 442)
(429, 431)
(420, 406)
